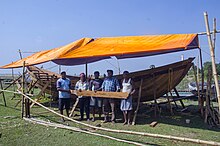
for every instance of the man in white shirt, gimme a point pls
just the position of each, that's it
(84, 101)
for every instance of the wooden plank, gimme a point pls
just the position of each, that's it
(74, 107)
(138, 102)
(102, 94)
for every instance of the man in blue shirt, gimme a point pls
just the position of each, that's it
(110, 84)
(63, 86)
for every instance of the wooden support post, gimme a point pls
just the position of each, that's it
(59, 69)
(202, 77)
(178, 96)
(155, 97)
(74, 107)
(138, 102)
(170, 81)
(207, 107)
(27, 108)
(213, 59)
(3, 94)
(19, 51)
(198, 91)
(86, 70)
(23, 90)
(13, 77)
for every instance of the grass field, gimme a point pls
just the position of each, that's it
(15, 131)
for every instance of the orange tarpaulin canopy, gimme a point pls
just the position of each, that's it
(48, 55)
(87, 50)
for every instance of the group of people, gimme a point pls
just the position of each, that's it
(104, 105)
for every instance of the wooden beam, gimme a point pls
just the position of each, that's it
(101, 94)
(138, 102)
(178, 96)
(74, 107)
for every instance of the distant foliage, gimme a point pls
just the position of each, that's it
(208, 65)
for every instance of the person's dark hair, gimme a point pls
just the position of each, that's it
(109, 70)
(82, 74)
(126, 72)
(96, 72)
(63, 72)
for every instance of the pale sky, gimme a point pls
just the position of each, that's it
(35, 25)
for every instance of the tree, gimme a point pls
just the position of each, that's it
(208, 65)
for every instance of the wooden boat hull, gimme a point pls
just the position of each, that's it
(156, 81)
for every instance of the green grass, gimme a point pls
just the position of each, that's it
(15, 131)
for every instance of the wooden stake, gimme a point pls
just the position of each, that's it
(178, 96)
(86, 70)
(13, 77)
(200, 100)
(3, 94)
(74, 107)
(197, 86)
(138, 102)
(213, 58)
(208, 95)
(202, 76)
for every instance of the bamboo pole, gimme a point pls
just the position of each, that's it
(198, 141)
(41, 122)
(213, 58)
(211, 32)
(214, 33)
